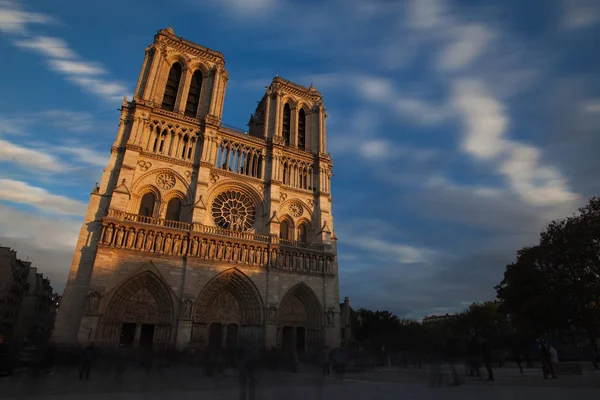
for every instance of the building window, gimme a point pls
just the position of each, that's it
(191, 106)
(302, 129)
(302, 233)
(287, 112)
(173, 209)
(147, 205)
(170, 95)
(284, 230)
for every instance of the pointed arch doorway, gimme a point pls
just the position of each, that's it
(229, 309)
(299, 321)
(139, 314)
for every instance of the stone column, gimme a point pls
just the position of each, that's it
(267, 115)
(215, 88)
(183, 91)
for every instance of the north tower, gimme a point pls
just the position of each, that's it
(200, 234)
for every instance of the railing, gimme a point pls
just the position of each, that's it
(214, 231)
(235, 129)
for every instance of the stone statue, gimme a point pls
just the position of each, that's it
(236, 253)
(168, 243)
(93, 303)
(158, 244)
(220, 250)
(187, 309)
(251, 259)
(149, 241)
(272, 314)
(130, 238)
(195, 247)
(228, 252)
(273, 260)
(140, 240)
(184, 246)
(203, 248)
(211, 251)
(108, 234)
(177, 245)
(120, 234)
(244, 254)
(330, 317)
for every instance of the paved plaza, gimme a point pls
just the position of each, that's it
(187, 383)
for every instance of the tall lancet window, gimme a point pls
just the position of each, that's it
(302, 129)
(287, 114)
(191, 107)
(147, 205)
(170, 95)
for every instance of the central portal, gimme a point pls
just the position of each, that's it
(229, 309)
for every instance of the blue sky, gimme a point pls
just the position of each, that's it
(458, 128)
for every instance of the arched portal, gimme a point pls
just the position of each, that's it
(228, 309)
(299, 320)
(139, 314)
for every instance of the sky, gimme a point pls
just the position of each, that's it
(458, 128)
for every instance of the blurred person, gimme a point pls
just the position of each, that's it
(472, 359)
(546, 360)
(451, 355)
(486, 355)
(553, 361)
(248, 364)
(435, 365)
(340, 359)
(326, 361)
(87, 358)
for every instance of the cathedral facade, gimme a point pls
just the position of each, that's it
(203, 235)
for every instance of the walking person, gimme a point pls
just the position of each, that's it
(325, 361)
(248, 364)
(451, 359)
(486, 354)
(553, 361)
(87, 356)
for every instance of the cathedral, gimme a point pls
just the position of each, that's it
(201, 235)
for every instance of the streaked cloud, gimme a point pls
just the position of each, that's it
(89, 76)
(24, 193)
(29, 158)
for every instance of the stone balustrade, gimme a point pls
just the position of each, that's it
(123, 230)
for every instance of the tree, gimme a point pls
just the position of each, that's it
(555, 285)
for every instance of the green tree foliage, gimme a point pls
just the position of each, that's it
(555, 286)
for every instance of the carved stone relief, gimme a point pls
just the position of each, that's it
(165, 181)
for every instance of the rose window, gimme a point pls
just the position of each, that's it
(233, 210)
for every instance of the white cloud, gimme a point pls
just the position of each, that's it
(42, 231)
(69, 67)
(591, 106)
(580, 13)
(108, 90)
(59, 55)
(485, 138)
(86, 155)
(29, 157)
(426, 14)
(484, 117)
(13, 20)
(469, 43)
(22, 192)
(376, 149)
(48, 46)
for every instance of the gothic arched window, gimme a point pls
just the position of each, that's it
(284, 230)
(302, 233)
(302, 129)
(191, 106)
(173, 209)
(168, 102)
(147, 205)
(287, 113)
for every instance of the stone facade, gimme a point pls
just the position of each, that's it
(200, 234)
(13, 286)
